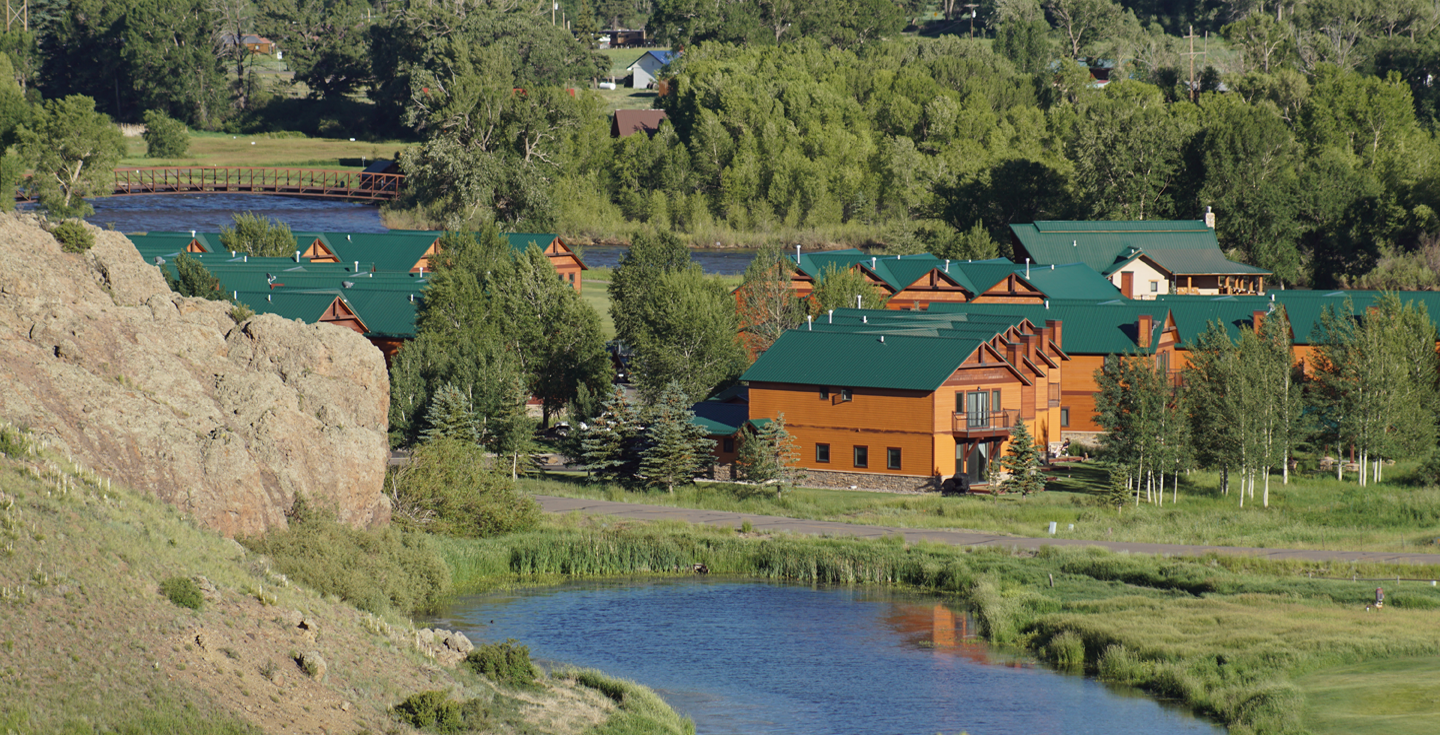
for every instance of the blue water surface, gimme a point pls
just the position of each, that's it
(756, 658)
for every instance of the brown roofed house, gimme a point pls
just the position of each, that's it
(629, 122)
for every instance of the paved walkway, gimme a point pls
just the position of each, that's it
(776, 524)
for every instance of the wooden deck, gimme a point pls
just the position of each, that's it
(354, 186)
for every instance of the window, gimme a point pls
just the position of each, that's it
(862, 456)
(845, 394)
(892, 458)
(994, 400)
(728, 445)
(977, 408)
(1154, 287)
(1064, 417)
(824, 394)
(822, 453)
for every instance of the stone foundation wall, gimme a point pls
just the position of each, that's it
(870, 481)
(722, 472)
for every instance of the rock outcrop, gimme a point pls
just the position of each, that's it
(168, 394)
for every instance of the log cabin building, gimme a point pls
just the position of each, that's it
(914, 282)
(900, 400)
(1143, 259)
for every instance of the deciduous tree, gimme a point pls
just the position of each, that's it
(73, 150)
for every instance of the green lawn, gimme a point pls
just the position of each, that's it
(1386, 697)
(1310, 513)
(223, 149)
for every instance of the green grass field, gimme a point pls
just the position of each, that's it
(264, 150)
(1387, 697)
(1309, 513)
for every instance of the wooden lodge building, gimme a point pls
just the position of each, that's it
(900, 400)
(914, 282)
(371, 283)
(1143, 259)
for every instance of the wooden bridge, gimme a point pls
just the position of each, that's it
(298, 182)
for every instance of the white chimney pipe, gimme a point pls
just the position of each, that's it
(857, 300)
(864, 319)
(297, 256)
(809, 322)
(1027, 267)
(831, 318)
(872, 262)
(357, 266)
(797, 253)
(882, 339)
(947, 265)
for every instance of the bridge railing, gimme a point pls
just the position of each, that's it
(290, 181)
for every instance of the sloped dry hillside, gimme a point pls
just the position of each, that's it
(169, 395)
(89, 641)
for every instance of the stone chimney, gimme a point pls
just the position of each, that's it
(1209, 218)
(1145, 327)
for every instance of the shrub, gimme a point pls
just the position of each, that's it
(504, 663)
(165, 137)
(73, 235)
(450, 487)
(240, 312)
(375, 570)
(13, 442)
(432, 710)
(1066, 650)
(183, 592)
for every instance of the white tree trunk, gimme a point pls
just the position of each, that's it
(1265, 500)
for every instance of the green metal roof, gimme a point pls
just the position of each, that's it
(855, 348)
(1180, 246)
(718, 418)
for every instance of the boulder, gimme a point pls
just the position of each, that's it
(229, 422)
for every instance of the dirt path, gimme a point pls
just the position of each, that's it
(777, 524)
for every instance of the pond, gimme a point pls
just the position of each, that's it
(758, 658)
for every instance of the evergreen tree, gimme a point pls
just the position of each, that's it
(610, 444)
(450, 416)
(1133, 406)
(770, 454)
(676, 448)
(1022, 460)
(192, 278)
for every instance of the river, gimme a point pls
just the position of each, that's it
(757, 658)
(210, 212)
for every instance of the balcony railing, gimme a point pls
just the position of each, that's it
(980, 422)
(1054, 394)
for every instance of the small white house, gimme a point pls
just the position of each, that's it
(647, 67)
(1139, 276)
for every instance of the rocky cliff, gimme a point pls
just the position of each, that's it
(168, 394)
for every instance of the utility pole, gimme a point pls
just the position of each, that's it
(17, 14)
(972, 7)
(1192, 62)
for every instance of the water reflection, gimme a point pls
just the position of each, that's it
(765, 659)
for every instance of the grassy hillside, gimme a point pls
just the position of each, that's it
(90, 639)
